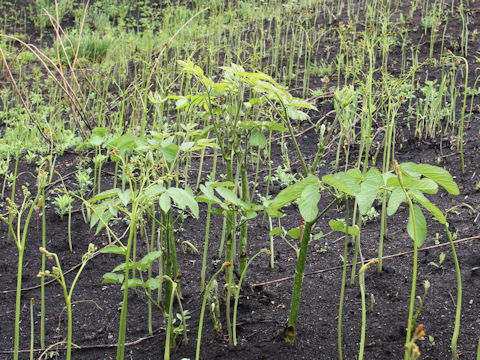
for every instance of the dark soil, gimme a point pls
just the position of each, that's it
(264, 303)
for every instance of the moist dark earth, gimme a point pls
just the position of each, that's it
(264, 303)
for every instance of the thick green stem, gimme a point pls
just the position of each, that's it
(297, 286)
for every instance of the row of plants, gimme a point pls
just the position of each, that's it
(161, 119)
(149, 171)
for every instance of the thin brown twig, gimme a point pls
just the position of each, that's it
(69, 270)
(41, 56)
(359, 263)
(86, 347)
(21, 97)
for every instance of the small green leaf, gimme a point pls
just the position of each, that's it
(421, 225)
(357, 174)
(170, 152)
(183, 199)
(229, 196)
(152, 283)
(441, 176)
(339, 225)
(435, 211)
(425, 185)
(367, 195)
(153, 190)
(258, 139)
(104, 195)
(125, 196)
(308, 202)
(292, 193)
(294, 233)
(111, 277)
(276, 231)
(113, 249)
(150, 257)
(164, 202)
(396, 198)
(342, 182)
(229, 184)
(133, 283)
(98, 136)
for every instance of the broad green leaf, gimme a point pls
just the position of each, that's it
(104, 195)
(208, 195)
(249, 215)
(180, 103)
(276, 231)
(421, 225)
(187, 145)
(300, 103)
(425, 185)
(368, 190)
(229, 196)
(294, 233)
(342, 182)
(216, 211)
(441, 176)
(292, 193)
(133, 283)
(435, 211)
(98, 136)
(125, 196)
(366, 197)
(357, 174)
(339, 225)
(152, 283)
(258, 139)
(104, 218)
(183, 199)
(122, 266)
(113, 249)
(125, 143)
(153, 190)
(150, 257)
(374, 176)
(221, 183)
(308, 202)
(396, 198)
(295, 114)
(164, 202)
(170, 152)
(111, 277)
(410, 169)
(273, 213)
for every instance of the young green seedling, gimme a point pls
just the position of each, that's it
(63, 205)
(57, 274)
(410, 184)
